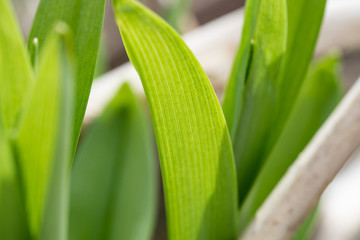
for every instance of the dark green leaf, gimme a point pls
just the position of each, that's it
(320, 93)
(114, 183)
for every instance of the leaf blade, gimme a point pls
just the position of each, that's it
(85, 18)
(189, 127)
(42, 141)
(321, 92)
(16, 74)
(119, 197)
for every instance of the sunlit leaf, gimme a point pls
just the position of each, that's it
(193, 141)
(15, 71)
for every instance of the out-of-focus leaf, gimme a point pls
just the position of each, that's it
(13, 224)
(44, 140)
(113, 181)
(85, 19)
(177, 12)
(15, 71)
(260, 85)
(304, 19)
(307, 228)
(193, 141)
(320, 93)
(102, 60)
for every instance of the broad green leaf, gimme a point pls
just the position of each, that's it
(319, 95)
(44, 140)
(193, 141)
(259, 87)
(113, 181)
(85, 19)
(15, 71)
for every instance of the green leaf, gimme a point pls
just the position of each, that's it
(304, 19)
(16, 75)
(258, 86)
(114, 180)
(177, 13)
(319, 95)
(307, 228)
(85, 19)
(233, 97)
(43, 142)
(256, 113)
(193, 141)
(13, 224)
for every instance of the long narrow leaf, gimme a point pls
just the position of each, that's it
(321, 91)
(13, 224)
(113, 181)
(43, 142)
(258, 86)
(15, 71)
(85, 19)
(256, 114)
(193, 141)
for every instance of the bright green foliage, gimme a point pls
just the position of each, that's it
(113, 193)
(269, 70)
(193, 142)
(15, 72)
(319, 95)
(43, 143)
(85, 19)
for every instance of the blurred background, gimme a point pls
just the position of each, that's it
(212, 29)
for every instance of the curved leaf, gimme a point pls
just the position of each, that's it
(193, 141)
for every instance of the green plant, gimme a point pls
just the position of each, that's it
(218, 164)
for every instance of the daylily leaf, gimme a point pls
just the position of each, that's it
(16, 75)
(43, 142)
(319, 95)
(113, 181)
(85, 18)
(260, 97)
(258, 86)
(193, 141)
(13, 224)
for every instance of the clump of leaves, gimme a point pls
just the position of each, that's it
(218, 164)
